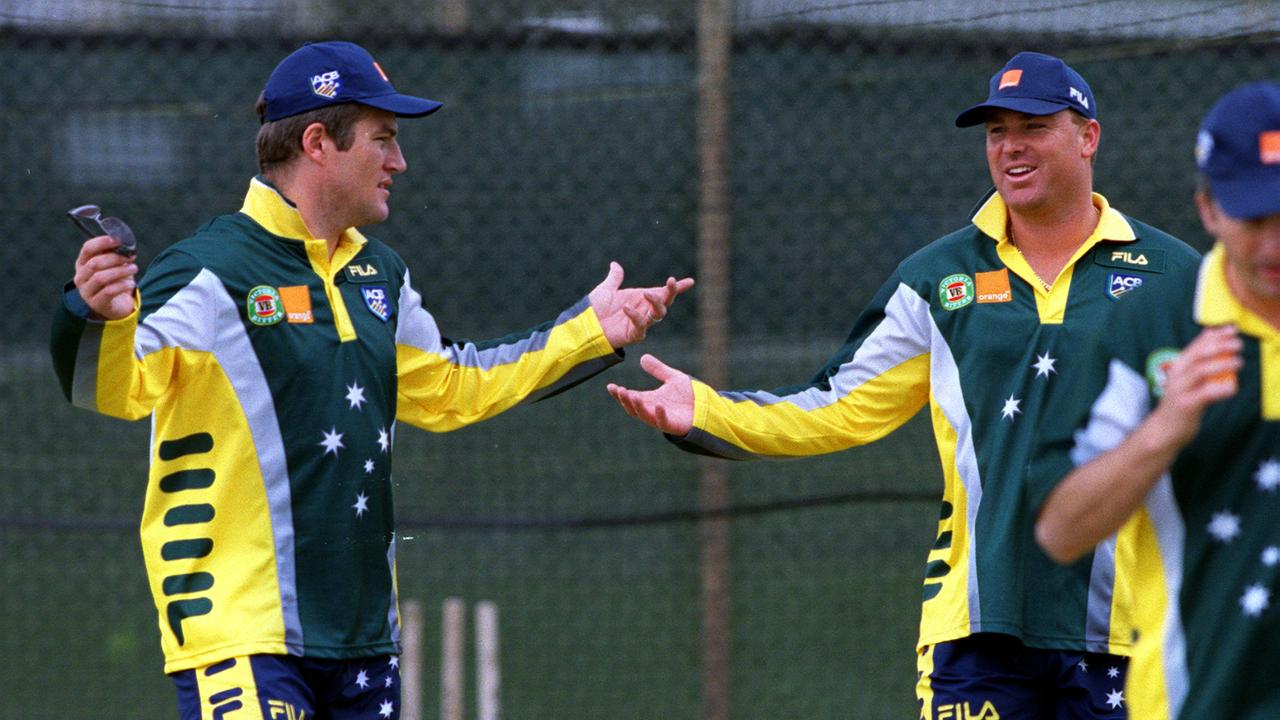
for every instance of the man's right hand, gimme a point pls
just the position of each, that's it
(1202, 374)
(105, 279)
(668, 407)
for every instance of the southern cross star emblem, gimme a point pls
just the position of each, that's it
(1224, 526)
(362, 679)
(1256, 598)
(1115, 698)
(355, 396)
(1044, 365)
(332, 441)
(384, 439)
(1010, 408)
(1268, 475)
(362, 504)
(1270, 555)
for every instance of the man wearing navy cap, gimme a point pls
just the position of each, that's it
(1186, 437)
(276, 349)
(984, 326)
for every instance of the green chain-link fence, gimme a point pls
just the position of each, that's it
(568, 139)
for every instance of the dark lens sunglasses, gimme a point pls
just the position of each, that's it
(90, 221)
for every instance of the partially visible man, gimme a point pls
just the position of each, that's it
(984, 325)
(276, 349)
(1187, 434)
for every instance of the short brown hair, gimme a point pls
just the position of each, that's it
(280, 141)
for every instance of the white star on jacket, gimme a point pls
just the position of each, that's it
(1010, 408)
(1224, 526)
(1270, 555)
(332, 441)
(1268, 475)
(1113, 672)
(368, 466)
(385, 709)
(362, 679)
(362, 504)
(1256, 598)
(384, 439)
(355, 396)
(1044, 365)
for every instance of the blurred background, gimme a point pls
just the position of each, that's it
(787, 153)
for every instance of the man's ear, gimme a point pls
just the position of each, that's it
(1091, 135)
(313, 141)
(1210, 213)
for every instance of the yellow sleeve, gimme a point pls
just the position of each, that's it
(444, 385)
(874, 384)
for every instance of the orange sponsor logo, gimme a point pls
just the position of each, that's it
(1009, 79)
(297, 304)
(993, 286)
(1269, 147)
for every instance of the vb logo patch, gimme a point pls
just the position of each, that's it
(1120, 283)
(264, 306)
(1158, 369)
(375, 298)
(326, 84)
(956, 291)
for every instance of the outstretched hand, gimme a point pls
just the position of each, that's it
(668, 407)
(627, 314)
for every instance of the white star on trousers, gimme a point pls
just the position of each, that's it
(1115, 698)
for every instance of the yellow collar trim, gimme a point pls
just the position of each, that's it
(993, 220)
(266, 206)
(1051, 300)
(1215, 304)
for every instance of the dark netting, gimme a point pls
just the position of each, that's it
(569, 138)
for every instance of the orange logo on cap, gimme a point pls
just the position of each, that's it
(1009, 79)
(378, 67)
(1269, 147)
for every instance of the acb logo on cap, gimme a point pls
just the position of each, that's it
(326, 84)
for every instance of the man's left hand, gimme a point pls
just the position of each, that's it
(627, 314)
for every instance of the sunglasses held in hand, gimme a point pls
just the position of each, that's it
(90, 221)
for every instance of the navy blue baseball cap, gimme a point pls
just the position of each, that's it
(1238, 151)
(320, 74)
(1036, 84)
